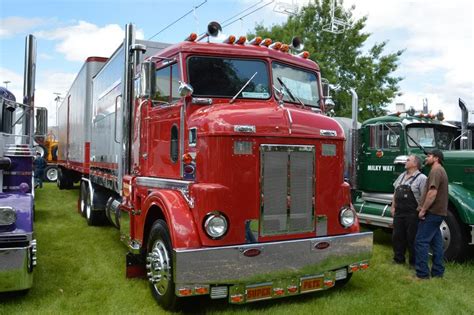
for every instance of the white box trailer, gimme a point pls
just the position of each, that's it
(90, 120)
(74, 119)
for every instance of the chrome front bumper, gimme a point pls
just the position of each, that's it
(16, 267)
(276, 260)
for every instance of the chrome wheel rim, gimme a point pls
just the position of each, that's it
(158, 267)
(52, 174)
(445, 234)
(88, 206)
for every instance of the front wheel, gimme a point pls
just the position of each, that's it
(159, 266)
(454, 238)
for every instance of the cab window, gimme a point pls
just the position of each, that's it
(167, 83)
(384, 136)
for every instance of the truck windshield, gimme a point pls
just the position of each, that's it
(224, 77)
(432, 137)
(302, 84)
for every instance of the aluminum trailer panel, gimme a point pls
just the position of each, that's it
(105, 146)
(74, 115)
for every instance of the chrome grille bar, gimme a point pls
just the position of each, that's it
(286, 189)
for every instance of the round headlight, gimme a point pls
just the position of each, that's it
(347, 217)
(215, 225)
(7, 215)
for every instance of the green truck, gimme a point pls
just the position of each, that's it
(380, 150)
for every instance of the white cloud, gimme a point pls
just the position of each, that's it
(13, 25)
(84, 39)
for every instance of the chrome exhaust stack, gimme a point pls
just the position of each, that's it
(465, 140)
(29, 88)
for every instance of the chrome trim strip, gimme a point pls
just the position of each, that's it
(377, 198)
(164, 183)
(228, 264)
(375, 220)
(384, 210)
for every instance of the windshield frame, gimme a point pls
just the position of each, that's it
(298, 68)
(240, 95)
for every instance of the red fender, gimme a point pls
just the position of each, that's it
(178, 216)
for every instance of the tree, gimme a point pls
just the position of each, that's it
(341, 57)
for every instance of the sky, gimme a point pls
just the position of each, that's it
(438, 38)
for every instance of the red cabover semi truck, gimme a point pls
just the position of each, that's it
(217, 164)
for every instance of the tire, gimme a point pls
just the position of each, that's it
(159, 266)
(51, 173)
(454, 237)
(64, 181)
(93, 217)
(83, 198)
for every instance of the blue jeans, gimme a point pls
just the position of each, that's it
(429, 235)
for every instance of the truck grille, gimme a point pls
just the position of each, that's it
(286, 189)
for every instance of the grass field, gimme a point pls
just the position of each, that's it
(81, 270)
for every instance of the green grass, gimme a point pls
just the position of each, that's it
(81, 270)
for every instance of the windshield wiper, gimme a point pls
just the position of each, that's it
(417, 144)
(294, 97)
(245, 85)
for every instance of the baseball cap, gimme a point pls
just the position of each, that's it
(438, 153)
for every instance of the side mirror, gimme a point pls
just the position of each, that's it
(41, 121)
(148, 80)
(185, 89)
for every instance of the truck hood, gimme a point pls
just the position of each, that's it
(23, 205)
(268, 120)
(460, 167)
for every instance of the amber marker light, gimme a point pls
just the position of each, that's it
(185, 291)
(266, 42)
(187, 158)
(201, 290)
(292, 289)
(241, 40)
(230, 39)
(256, 41)
(275, 45)
(304, 54)
(191, 38)
(284, 48)
(238, 298)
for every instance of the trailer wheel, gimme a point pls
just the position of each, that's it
(83, 198)
(51, 173)
(454, 238)
(64, 181)
(159, 266)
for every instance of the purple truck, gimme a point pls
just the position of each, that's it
(17, 239)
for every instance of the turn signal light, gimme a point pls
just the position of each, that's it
(364, 266)
(266, 42)
(230, 39)
(292, 289)
(187, 158)
(191, 38)
(328, 283)
(201, 290)
(237, 298)
(256, 41)
(185, 291)
(241, 40)
(278, 291)
(354, 267)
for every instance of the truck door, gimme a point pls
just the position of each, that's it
(379, 148)
(163, 124)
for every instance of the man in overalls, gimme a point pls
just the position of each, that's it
(408, 189)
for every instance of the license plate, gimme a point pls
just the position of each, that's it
(259, 293)
(311, 284)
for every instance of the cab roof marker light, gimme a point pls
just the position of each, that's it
(256, 41)
(241, 40)
(266, 42)
(191, 38)
(284, 48)
(275, 45)
(303, 54)
(230, 39)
